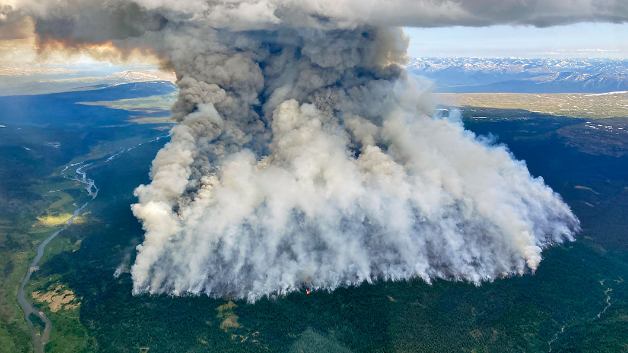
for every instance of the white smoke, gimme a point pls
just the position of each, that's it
(308, 158)
(305, 156)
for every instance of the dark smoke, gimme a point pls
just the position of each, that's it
(305, 156)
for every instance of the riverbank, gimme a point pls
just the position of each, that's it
(76, 173)
(40, 339)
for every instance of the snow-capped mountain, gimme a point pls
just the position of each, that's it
(144, 76)
(28, 81)
(523, 75)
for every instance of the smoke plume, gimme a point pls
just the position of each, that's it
(306, 157)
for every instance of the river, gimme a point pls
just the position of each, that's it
(41, 339)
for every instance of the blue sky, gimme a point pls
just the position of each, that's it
(584, 40)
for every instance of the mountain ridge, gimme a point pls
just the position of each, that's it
(519, 75)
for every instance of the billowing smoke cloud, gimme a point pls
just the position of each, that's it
(13, 25)
(304, 155)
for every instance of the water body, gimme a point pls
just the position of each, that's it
(60, 109)
(41, 339)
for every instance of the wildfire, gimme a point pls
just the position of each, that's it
(89, 52)
(104, 47)
(61, 45)
(307, 291)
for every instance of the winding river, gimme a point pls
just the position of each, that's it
(41, 339)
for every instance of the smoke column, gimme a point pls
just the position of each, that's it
(305, 156)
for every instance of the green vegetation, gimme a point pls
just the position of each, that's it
(144, 104)
(37, 322)
(62, 307)
(559, 302)
(576, 105)
(152, 120)
(577, 301)
(18, 241)
(51, 200)
(14, 336)
(20, 232)
(597, 137)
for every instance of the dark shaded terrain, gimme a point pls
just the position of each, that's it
(557, 306)
(59, 109)
(33, 149)
(577, 301)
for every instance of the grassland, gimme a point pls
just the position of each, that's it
(15, 252)
(49, 291)
(37, 200)
(144, 104)
(60, 304)
(563, 303)
(576, 105)
(153, 120)
(150, 105)
(18, 243)
(19, 238)
(587, 122)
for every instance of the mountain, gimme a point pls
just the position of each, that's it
(517, 75)
(144, 76)
(30, 81)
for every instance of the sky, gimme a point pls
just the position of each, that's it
(584, 40)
